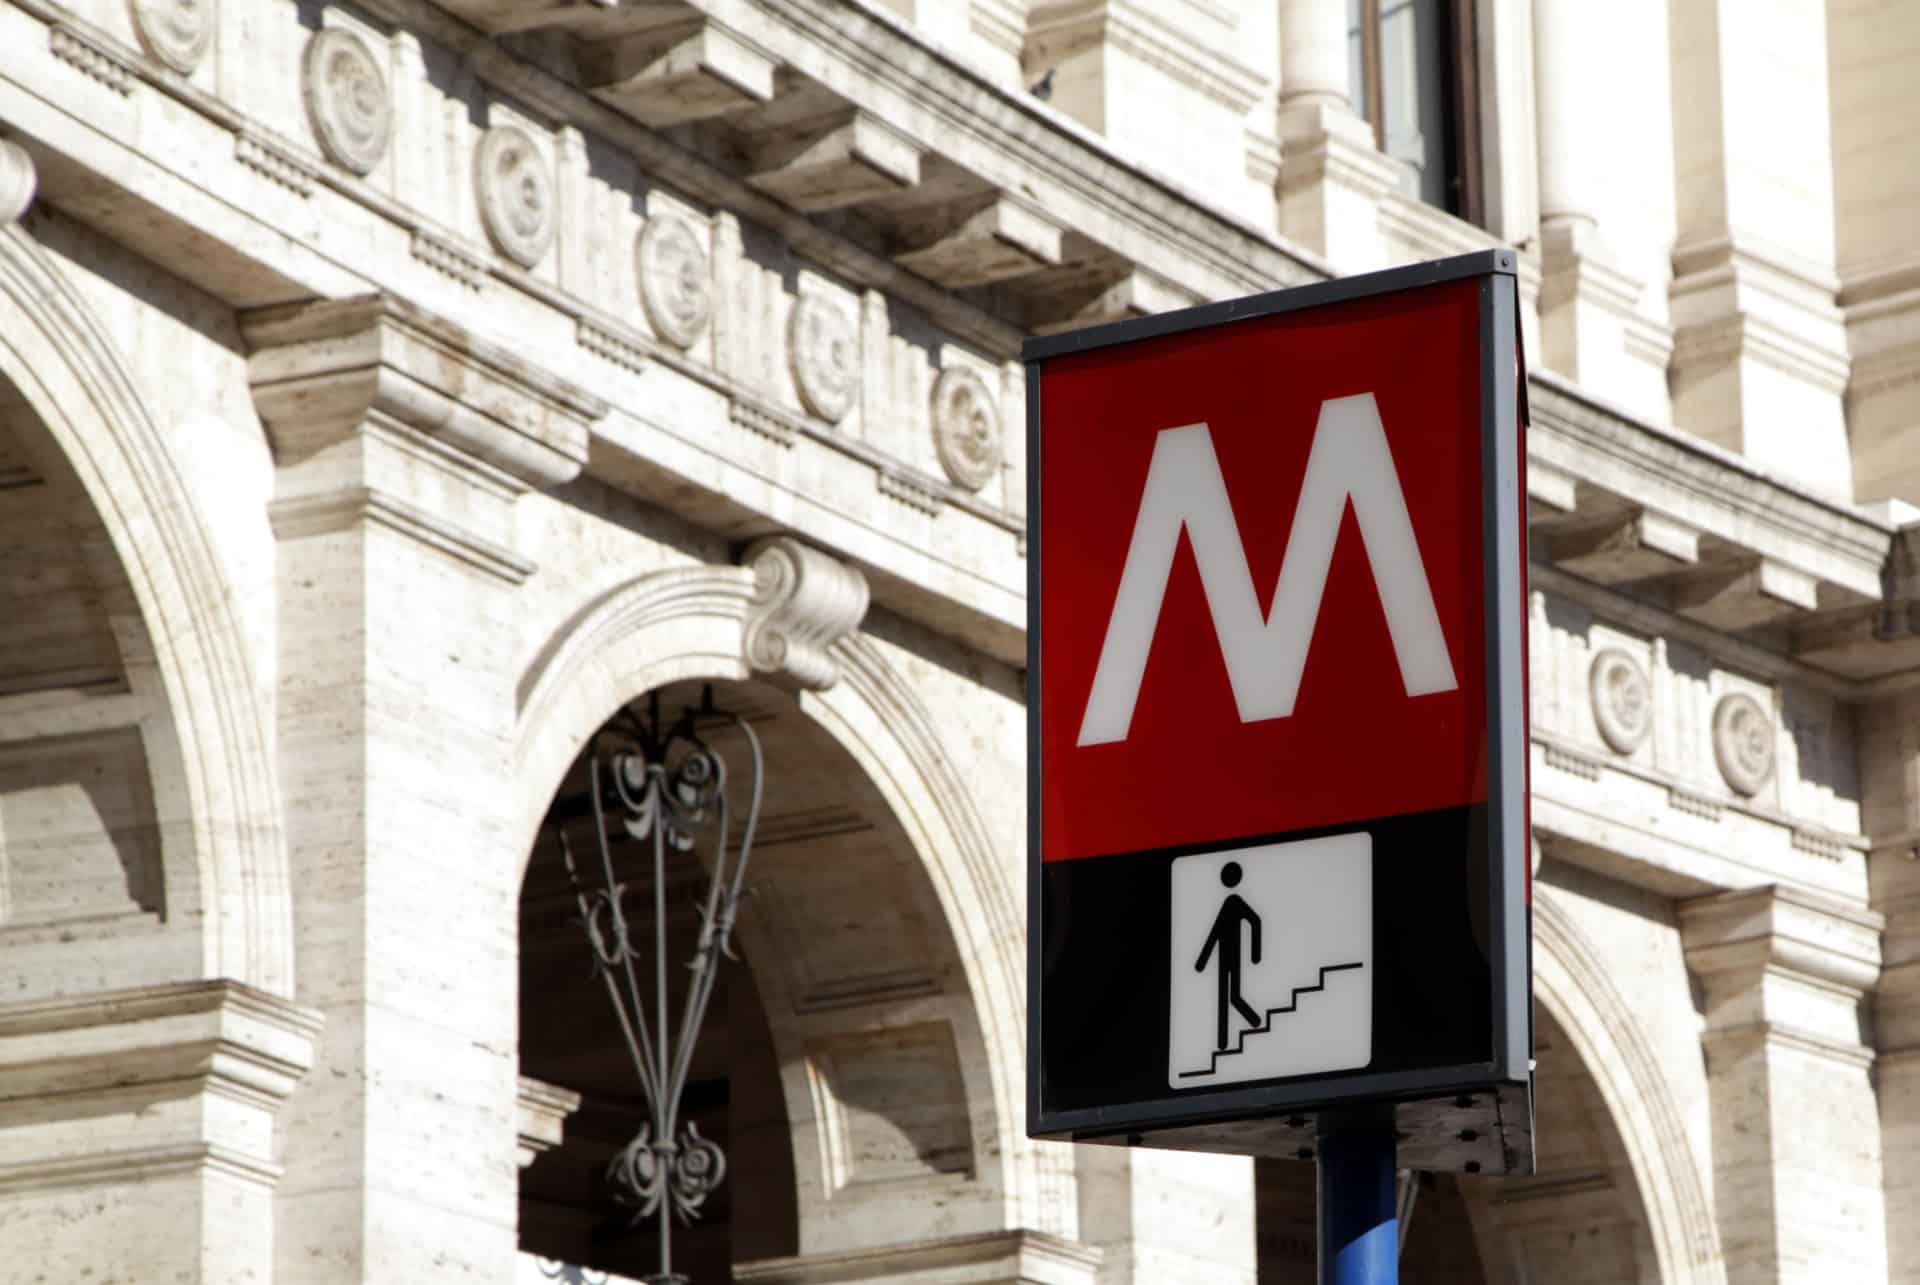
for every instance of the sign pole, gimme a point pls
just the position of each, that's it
(1359, 1212)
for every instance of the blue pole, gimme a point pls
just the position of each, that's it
(1359, 1228)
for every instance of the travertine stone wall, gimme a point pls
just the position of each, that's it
(387, 397)
(1168, 1215)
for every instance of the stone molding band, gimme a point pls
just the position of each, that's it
(319, 368)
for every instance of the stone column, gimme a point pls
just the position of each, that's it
(1332, 178)
(402, 446)
(1796, 1137)
(1760, 356)
(1585, 300)
(1890, 776)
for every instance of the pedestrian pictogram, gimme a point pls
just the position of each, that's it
(1225, 939)
(1272, 955)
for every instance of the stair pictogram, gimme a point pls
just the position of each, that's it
(1240, 1043)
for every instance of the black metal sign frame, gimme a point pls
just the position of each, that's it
(1487, 1099)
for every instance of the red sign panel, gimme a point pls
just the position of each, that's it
(1263, 576)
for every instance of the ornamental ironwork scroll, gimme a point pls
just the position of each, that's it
(672, 790)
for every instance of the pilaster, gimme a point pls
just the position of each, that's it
(403, 445)
(1796, 1139)
(1883, 394)
(1332, 177)
(155, 1103)
(1874, 55)
(1760, 358)
(1890, 763)
(1586, 301)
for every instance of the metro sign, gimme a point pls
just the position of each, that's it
(1277, 713)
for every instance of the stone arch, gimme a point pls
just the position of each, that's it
(61, 362)
(1571, 983)
(689, 623)
(670, 625)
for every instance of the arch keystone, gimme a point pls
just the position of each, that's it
(804, 601)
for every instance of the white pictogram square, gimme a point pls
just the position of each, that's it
(1272, 967)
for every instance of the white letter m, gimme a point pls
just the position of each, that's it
(1349, 460)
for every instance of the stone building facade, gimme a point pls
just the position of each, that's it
(390, 392)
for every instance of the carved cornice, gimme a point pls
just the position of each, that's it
(123, 1048)
(1748, 298)
(120, 1165)
(1744, 934)
(998, 1255)
(1576, 269)
(1745, 334)
(319, 369)
(1321, 144)
(1668, 472)
(352, 506)
(542, 1111)
(804, 601)
(227, 1053)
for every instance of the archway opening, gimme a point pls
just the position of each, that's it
(1577, 1219)
(839, 1056)
(94, 825)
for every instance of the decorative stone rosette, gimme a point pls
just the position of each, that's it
(1743, 742)
(824, 357)
(347, 99)
(675, 284)
(804, 601)
(177, 32)
(515, 189)
(1622, 700)
(966, 427)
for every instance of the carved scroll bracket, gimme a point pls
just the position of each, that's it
(16, 181)
(804, 601)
